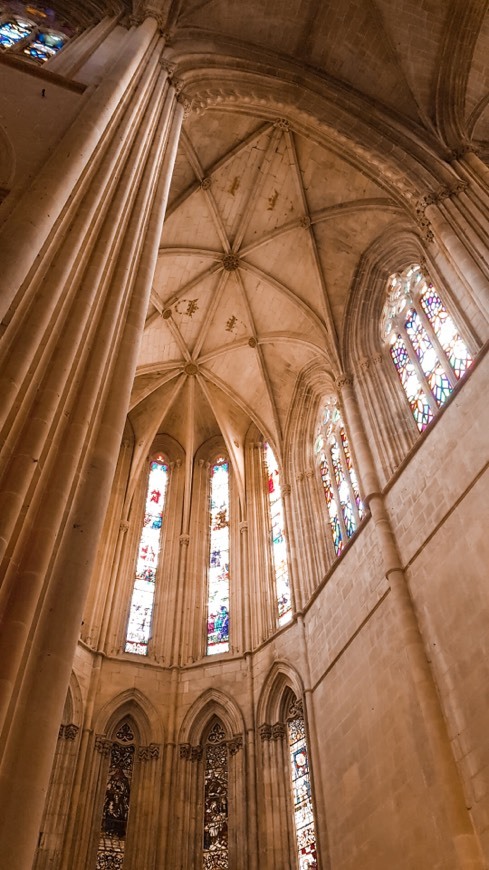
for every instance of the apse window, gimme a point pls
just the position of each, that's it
(424, 343)
(218, 564)
(301, 789)
(115, 813)
(338, 477)
(142, 601)
(279, 545)
(215, 845)
(32, 32)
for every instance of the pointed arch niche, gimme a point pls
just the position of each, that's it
(121, 787)
(287, 812)
(211, 804)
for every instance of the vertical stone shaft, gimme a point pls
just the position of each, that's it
(465, 843)
(89, 444)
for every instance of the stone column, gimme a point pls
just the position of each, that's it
(465, 842)
(73, 415)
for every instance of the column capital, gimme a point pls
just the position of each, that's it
(184, 540)
(243, 527)
(103, 745)
(344, 380)
(265, 731)
(68, 732)
(147, 753)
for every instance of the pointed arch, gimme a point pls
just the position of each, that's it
(212, 703)
(136, 705)
(281, 679)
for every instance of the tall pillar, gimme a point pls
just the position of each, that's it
(73, 341)
(464, 839)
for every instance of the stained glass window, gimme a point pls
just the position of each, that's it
(33, 31)
(338, 476)
(279, 546)
(215, 845)
(425, 345)
(218, 571)
(142, 601)
(110, 855)
(301, 789)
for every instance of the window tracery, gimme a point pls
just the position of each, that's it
(218, 567)
(32, 31)
(338, 476)
(425, 345)
(301, 788)
(279, 546)
(215, 841)
(115, 813)
(142, 601)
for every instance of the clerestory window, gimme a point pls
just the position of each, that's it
(31, 32)
(278, 541)
(424, 343)
(218, 564)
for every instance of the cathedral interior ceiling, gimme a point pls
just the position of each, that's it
(266, 224)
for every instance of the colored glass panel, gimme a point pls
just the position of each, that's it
(110, 854)
(351, 472)
(14, 31)
(215, 845)
(44, 46)
(331, 504)
(141, 610)
(416, 396)
(279, 546)
(301, 795)
(446, 332)
(432, 368)
(343, 488)
(218, 571)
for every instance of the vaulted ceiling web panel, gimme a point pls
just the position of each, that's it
(231, 322)
(193, 224)
(222, 133)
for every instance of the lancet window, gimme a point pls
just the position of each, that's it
(218, 566)
(338, 476)
(115, 813)
(279, 545)
(31, 31)
(215, 844)
(142, 601)
(424, 343)
(301, 788)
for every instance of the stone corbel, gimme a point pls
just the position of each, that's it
(235, 744)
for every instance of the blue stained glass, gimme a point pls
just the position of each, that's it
(44, 46)
(279, 547)
(142, 601)
(14, 31)
(343, 489)
(218, 571)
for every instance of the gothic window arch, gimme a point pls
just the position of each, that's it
(423, 341)
(32, 32)
(280, 564)
(116, 804)
(218, 557)
(338, 477)
(139, 626)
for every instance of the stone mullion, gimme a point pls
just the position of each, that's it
(244, 577)
(436, 344)
(262, 573)
(61, 452)
(334, 486)
(308, 547)
(286, 492)
(195, 643)
(445, 771)
(238, 597)
(58, 628)
(417, 365)
(320, 515)
(346, 473)
(163, 613)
